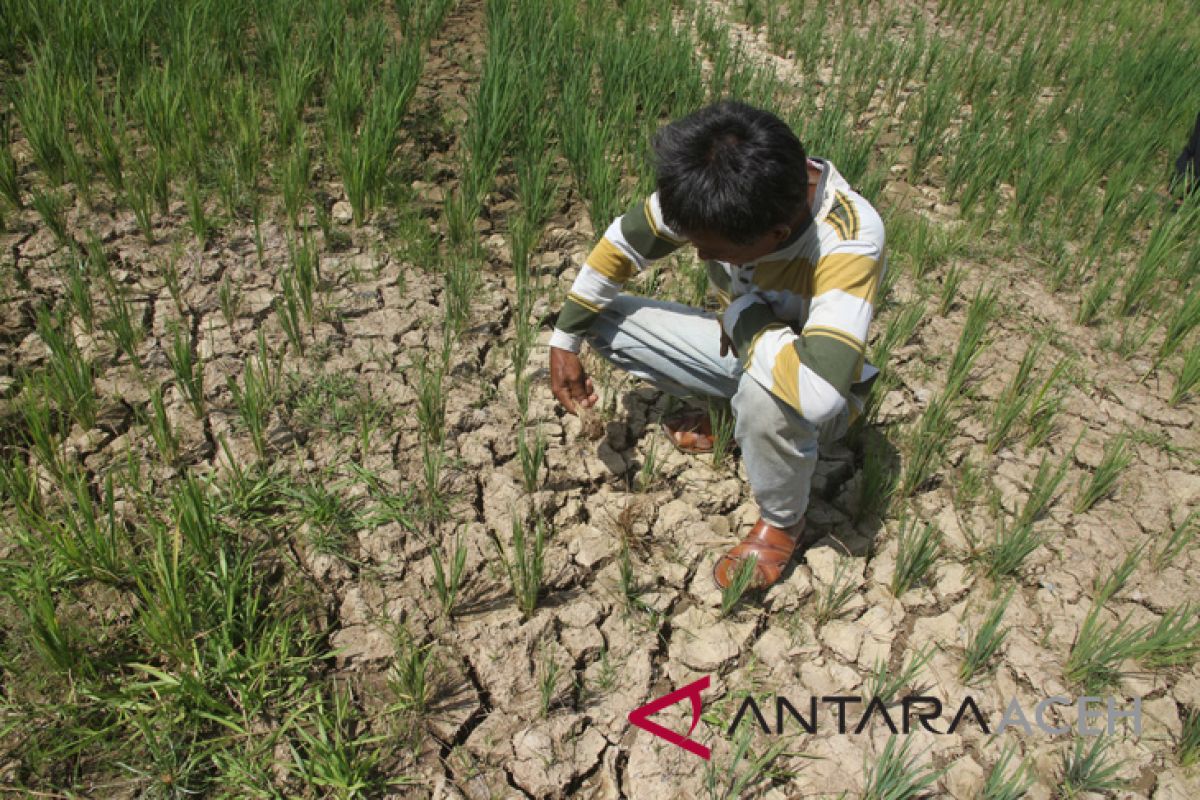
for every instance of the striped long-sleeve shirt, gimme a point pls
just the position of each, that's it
(798, 317)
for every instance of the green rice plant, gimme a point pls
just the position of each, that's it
(68, 378)
(39, 424)
(290, 308)
(126, 332)
(897, 774)
(979, 315)
(833, 598)
(1104, 285)
(79, 295)
(1046, 403)
(1181, 539)
(1014, 543)
(333, 755)
(885, 685)
(431, 407)
(87, 537)
(1187, 750)
(985, 643)
(103, 127)
(1088, 769)
(897, 333)
(648, 472)
(40, 104)
(189, 370)
(1162, 248)
(10, 185)
(725, 782)
(230, 300)
(412, 677)
(927, 443)
(1097, 654)
(532, 457)
(255, 396)
(743, 574)
(448, 573)
(1014, 399)
(722, 422)
(139, 197)
(1183, 321)
(1172, 641)
(160, 427)
(433, 461)
(198, 221)
(524, 564)
(877, 484)
(950, 286)
(547, 680)
(52, 206)
(917, 551)
(1043, 489)
(364, 157)
(1188, 378)
(1010, 786)
(306, 271)
(58, 644)
(1101, 483)
(1115, 581)
(293, 177)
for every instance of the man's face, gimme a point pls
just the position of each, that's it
(714, 247)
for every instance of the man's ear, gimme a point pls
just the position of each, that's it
(780, 233)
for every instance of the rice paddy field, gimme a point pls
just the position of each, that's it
(287, 508)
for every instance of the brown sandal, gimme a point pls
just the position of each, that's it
(773, 548)
(690, 432)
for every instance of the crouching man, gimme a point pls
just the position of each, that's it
(795, 257)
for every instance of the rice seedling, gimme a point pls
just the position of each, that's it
(1180, 540)
(52, 206)
(40, 104)
(36, 407)
(331, 755)
(547, 681)
(1115, 581)
(877, 483)
(724, 782)
(1089, 769)
(293, 179)
(647, 474)
(412, 677)
(1003, 785)
(79, 295)
(160, 427)
(59, 645)
(1182, 322)
(950, 286)
(431, 409)
(1187, 749)
(927, 442)
(68, 378)
(10, 186)
(1173, 640)
(917, 551)
(255, 396)
(1097, 654)
(743, 574)
(189, 370)
(1046, 403)
(1103, 480)
(198, 220)
(899, 331)
(524, 563)
(1188, 377)
(230, 300)
(1014, 543)
(1104, 285)
(448, 573)
(897, 774)
(125, 328)
(1043, 489)
(833, 598)
(979, 315)
(1013, 400)
(885, 685)
(532, 457)
(289, 306)
(722, 422)
(985, 642)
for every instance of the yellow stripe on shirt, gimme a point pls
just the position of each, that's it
(853, 274)
(607, 259)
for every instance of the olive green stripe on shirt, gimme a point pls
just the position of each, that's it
(639, 233)
(754, 319)
(575, 317)
(832, 358)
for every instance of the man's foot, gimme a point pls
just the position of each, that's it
(773, 548)
(690, 432)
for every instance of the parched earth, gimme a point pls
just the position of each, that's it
(600, 656)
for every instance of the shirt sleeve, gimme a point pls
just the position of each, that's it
(812, 371)
(633, 240)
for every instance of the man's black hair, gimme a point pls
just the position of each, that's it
(731, 170)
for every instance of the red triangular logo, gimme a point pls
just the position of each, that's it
(640, 717)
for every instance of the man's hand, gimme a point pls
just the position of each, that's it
(569, 382)
(727, 345)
